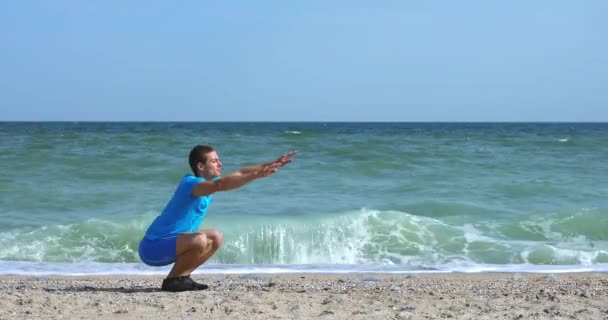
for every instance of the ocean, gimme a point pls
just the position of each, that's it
(76, 197)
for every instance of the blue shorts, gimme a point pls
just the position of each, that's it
(159, 252)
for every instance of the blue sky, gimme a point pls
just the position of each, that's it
(303, 60)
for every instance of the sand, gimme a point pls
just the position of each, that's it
(311, 296)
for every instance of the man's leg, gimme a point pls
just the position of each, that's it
(216, 240)
(194, 249)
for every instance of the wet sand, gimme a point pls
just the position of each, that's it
(311, 296)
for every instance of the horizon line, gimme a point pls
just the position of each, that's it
(300, 121)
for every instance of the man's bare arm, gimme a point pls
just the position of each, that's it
(228, 182)
(251, 169)
(240, 178)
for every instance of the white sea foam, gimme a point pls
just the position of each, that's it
(351, 240)
(96, 268)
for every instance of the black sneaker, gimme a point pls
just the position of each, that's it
(198, 286)
(180, 284)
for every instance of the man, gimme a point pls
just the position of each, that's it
(173, 237)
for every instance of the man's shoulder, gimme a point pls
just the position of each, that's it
(187, 182)
(190, 178)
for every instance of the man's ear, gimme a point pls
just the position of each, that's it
(200, 166)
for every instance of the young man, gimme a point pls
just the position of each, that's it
(174, 237)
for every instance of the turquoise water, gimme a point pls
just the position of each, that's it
(77, 197)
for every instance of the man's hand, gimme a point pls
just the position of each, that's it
(284, 159)
(273, 166)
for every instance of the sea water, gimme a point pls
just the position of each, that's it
(76, 198)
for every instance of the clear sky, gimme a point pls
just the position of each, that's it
(328, 60)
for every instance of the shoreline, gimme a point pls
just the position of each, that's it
(26, 268)
(486, 295)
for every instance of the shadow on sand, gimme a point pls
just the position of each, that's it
(97, 289)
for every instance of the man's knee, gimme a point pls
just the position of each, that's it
(202, 239)
(216, 238)
(199, 241)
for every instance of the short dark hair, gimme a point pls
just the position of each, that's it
(198, 154)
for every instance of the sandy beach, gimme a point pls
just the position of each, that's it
(311, 296)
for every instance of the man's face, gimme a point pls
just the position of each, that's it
(213, 167)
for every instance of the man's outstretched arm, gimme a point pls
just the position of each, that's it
(240, 178)
(280, 161)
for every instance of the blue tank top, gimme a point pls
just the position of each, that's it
(183, 213)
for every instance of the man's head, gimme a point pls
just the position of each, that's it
(205, 162)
